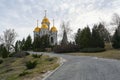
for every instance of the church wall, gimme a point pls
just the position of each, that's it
(36, 33)
(44, 32)
(54, 36)
(51, 34)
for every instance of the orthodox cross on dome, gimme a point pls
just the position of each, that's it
(45, 12)
(37, 23)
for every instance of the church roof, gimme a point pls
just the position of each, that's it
(45, 20)
(44, 26)
(53, 29)
(37, 29)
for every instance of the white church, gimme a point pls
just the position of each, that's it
(45, 29)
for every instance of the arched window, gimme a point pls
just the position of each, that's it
(52, 40)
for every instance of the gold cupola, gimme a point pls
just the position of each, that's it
(53, 29)
(45, 19)
(44, 26)
(37, 29)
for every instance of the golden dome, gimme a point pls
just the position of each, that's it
(45, 20)
(37, 29)
(44, 26)
(53, 29)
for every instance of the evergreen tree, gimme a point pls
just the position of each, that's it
(64, 39)
(97, 40)
(18, 45)
(40, 43)
(23, 44)
(104, 32)
(77, 37)
(85, 38)
(3, 51)
(116, 40)
(45, 41)
(37, 43)
(28, 43)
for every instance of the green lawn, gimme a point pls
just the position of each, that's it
(111, 54)
(12, 67)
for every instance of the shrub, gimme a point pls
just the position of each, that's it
(92, 50)
(23, 73)
(31, 64)
(12, 54)
(66, 48)
(37, 56)
(1, 61)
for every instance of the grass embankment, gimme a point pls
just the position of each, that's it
(110, 54)
(12, 67)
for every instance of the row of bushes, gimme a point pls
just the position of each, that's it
(65, 48)
(19, 54)
(75, 48)
(39, 50)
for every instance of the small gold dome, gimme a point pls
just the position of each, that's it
(45, 20)
(53, 29)
(37, 29)
(44, 26)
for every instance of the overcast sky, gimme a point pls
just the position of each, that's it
(21, 15)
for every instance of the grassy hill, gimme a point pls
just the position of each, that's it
(14, 68)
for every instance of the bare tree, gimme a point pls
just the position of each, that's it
(115, 19)
(8, 38)
(65, 27)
